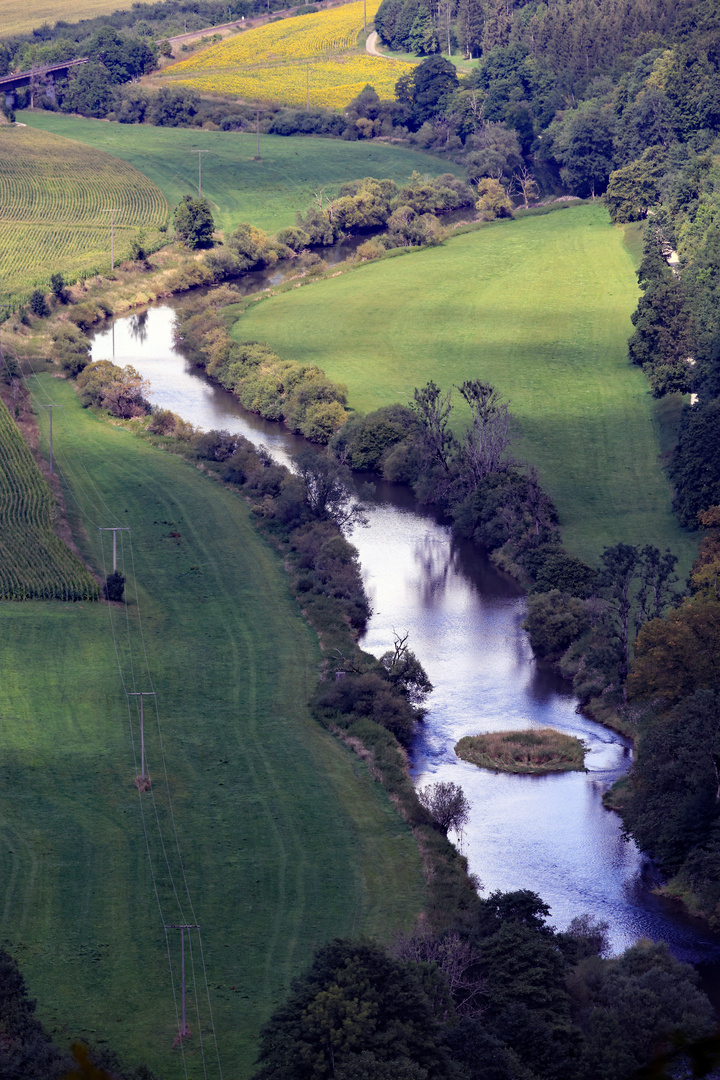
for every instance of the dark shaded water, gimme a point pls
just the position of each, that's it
(550, 834)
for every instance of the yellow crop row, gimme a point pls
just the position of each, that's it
(333, 83)
(299, 38)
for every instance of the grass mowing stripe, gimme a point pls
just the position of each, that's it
(539, 307)
(267, 193)
(240, 763)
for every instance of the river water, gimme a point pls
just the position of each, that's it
(550, 834)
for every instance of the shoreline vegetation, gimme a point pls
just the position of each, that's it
(302, 395)
(531, 752)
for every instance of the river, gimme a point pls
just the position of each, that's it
(550, 833)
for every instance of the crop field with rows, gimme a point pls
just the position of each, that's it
(34, 563)
(22, 18)
(270, 62)
(53, 196)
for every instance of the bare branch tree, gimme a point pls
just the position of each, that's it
(433, 410)
(458, 961)
(406, 672)
(526, 185)
(488, 436)
(447, 805)
(326, 492)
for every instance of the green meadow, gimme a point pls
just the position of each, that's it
(267, 193)
(283, 840)
(539, 307)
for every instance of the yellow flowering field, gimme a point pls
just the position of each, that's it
(270, 62)
(333, 82)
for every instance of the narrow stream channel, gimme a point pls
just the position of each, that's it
(550, 834)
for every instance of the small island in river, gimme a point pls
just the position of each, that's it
(539, 751)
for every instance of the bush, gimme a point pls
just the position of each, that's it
(72, 350)
(552, 568)
(85, 315)
(553, 622)
(294, 238)
(363, 443)
(163, 422)
(114, 587)
(119, 390)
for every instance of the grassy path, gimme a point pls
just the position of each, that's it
(284, 839)
(539, 307)
(267, 193)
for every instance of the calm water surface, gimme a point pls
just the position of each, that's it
(550, 834)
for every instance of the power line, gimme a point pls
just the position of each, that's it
(82, 491)
(199, 154)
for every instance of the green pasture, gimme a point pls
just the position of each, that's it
(284, 838)
(540, 307)
(267, 193)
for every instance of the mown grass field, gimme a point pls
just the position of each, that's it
(285, 840)
(34, 562)
(267, 193)
(53, 196)
(540, 307)
(271, 62)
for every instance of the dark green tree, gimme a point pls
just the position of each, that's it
(355, 1013)
(422, 38)
(194, 223)
(424, 89)
(38, 303)
(583, 145)
(26, 1050)
(87, 91)
(471, 22)
(619, 571)
(123, 58)
(57, 287)
(174, 107)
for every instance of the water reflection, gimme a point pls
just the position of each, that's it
(139, 327)
(550, 834)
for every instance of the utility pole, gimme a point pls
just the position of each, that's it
(308, 86)
(112, 235)
(200, 154)
(142, 782)
(182, 927)
(365, 16)
(114, 529)
(3, 307)
(257, 132)
(51, 407)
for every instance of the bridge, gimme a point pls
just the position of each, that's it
(39, 79)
